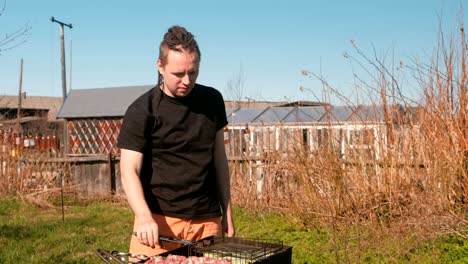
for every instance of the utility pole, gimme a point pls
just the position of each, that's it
(18, 114)
(62, 49)
(64, 80)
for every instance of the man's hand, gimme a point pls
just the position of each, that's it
(228, 225)
(146, 230)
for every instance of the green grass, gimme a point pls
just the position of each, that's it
(29, 234)
(32, 235)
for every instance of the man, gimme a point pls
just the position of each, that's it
(173, 163)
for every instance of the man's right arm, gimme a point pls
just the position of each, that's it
(145, 226)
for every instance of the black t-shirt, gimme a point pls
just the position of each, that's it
(176, 137)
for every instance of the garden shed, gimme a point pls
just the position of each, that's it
(94, 117)
(260, 138)
(37, 114)
(44, 107)
(255, 132)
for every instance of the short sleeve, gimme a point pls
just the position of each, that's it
(134, 125)
(220, 112)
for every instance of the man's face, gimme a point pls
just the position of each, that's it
(179, 73)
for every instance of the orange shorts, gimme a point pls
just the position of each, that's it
(180, 229)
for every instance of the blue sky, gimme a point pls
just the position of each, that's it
(266, 44)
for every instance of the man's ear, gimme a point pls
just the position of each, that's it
(160, 67)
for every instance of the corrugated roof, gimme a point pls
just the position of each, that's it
(100, 102)
(305, 114)
(243, 115)
(251, 104)
(337, 114)
(273, 115)
(52, 104)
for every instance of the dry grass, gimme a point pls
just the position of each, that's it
(34, 176)
(419, 181)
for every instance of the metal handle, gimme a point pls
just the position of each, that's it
(170, 239)
(175, 240)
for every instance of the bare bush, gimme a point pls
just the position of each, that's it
(415, 176)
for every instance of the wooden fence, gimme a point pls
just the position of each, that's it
(37, 159)
(16, 144)
(24, 162)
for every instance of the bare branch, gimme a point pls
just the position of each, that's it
(328, 86)
(235, 87)
(16, 38)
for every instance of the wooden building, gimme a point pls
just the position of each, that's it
(37, 113)
(255, 132)
(94, 118)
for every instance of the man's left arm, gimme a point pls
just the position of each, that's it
(223, 183)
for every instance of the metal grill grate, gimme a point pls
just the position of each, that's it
(237, 250)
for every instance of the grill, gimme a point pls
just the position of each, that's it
(234, 249)
(238, 250)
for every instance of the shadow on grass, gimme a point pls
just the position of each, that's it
(16, 232)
